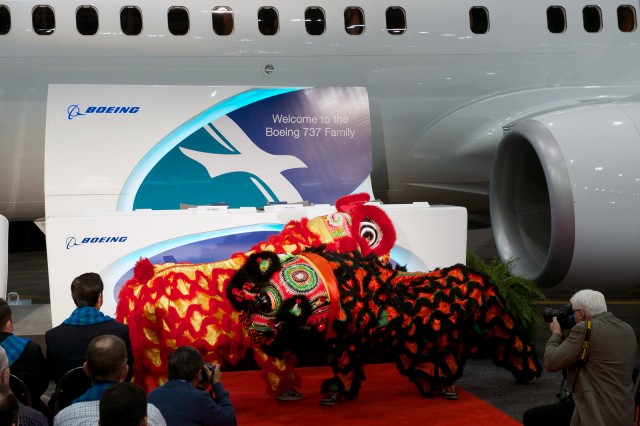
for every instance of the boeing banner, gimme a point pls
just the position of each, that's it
(428, 237)
(124, 148)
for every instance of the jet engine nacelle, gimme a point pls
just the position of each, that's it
(565, 197)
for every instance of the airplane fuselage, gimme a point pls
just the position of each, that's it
(438, 93)
(442, 95)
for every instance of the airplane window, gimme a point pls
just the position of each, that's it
(556, 19)
(354, 21)
(43, 20)
(87, 20)
(178, 20)
(131, 20)
(627, 18)
(222, 18)
(5, 20)
(592, 19)
(396, 20)
(314, 20)
(479, 20)
(268, 20)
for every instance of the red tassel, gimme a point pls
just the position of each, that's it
(143, 271)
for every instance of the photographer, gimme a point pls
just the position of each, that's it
(598, 386)
(183, 400)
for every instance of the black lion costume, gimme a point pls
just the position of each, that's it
(428, 322)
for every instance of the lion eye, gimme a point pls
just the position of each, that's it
(370, 232)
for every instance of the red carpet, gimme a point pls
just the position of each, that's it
(386, 398)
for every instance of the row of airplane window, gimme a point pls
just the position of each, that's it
(87, 22)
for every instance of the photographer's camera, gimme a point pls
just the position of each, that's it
(205, 379)
(564, 315)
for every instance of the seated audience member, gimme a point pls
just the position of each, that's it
(25, 358)
(8, 407)
(28, 416)
(124, 404)
(106, 365)
(180, 400)
(67, 343)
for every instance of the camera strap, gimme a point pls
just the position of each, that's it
(584, 351)
(585, 344)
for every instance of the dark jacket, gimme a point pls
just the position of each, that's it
(67, 345)
(30, 367)
(183, 405)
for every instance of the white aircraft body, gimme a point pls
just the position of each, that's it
(525, 112)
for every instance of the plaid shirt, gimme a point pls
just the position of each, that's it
(88, 413)
(31, 417)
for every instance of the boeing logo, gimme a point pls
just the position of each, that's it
(73, 111)
(72, 242)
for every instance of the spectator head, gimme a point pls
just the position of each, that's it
(124, 404)
(86, 290)
(185, 363)
(5, 371)
(6, 322)
(106, 359)
(8, 406)
(591, 302)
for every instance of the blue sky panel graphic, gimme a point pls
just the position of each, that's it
(213, 249)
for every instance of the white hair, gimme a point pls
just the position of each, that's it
(590, 301)
(4, 361)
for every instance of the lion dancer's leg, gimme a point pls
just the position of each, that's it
(429, 349)
(348, 375)
(429, 376)
(280, 375)
(507, 346)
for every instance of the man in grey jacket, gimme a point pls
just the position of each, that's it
(601, 386)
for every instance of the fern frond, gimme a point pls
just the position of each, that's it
(516, 291)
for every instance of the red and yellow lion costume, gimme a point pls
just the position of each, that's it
(171, 305)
